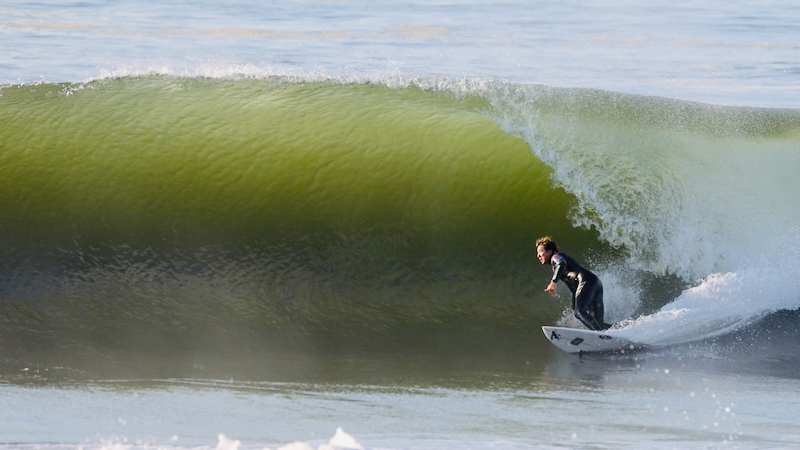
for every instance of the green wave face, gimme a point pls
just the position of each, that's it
(145, 159)
(172, 207)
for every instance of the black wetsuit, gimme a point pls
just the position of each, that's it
(587, 290)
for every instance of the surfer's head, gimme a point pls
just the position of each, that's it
(545, 248)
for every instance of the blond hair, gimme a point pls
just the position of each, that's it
(548, 243)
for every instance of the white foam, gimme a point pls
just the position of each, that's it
(299, 445)
(227, 444)
(720, 304)
(342, 441)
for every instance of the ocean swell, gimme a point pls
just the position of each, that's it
(161, 212)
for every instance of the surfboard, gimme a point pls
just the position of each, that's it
(576, 340)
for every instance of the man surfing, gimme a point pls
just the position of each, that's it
(586, 288)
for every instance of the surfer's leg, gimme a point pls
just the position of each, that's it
(584, 299)
(599, 310)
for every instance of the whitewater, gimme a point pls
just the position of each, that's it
(312, 224)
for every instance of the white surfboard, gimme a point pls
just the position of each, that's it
(575, 340)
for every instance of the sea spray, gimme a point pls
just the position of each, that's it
(686, 188)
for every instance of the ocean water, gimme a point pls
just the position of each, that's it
(311, 224)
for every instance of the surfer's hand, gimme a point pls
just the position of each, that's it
(551, 288)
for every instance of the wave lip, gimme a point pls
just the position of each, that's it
(686, 188)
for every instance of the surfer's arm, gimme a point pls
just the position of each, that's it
(559, 268)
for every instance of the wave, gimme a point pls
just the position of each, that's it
(149, 209)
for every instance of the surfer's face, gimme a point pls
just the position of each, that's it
(544, 255)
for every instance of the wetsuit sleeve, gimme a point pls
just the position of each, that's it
(559, 266)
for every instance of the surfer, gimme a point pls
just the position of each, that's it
(586, 288)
